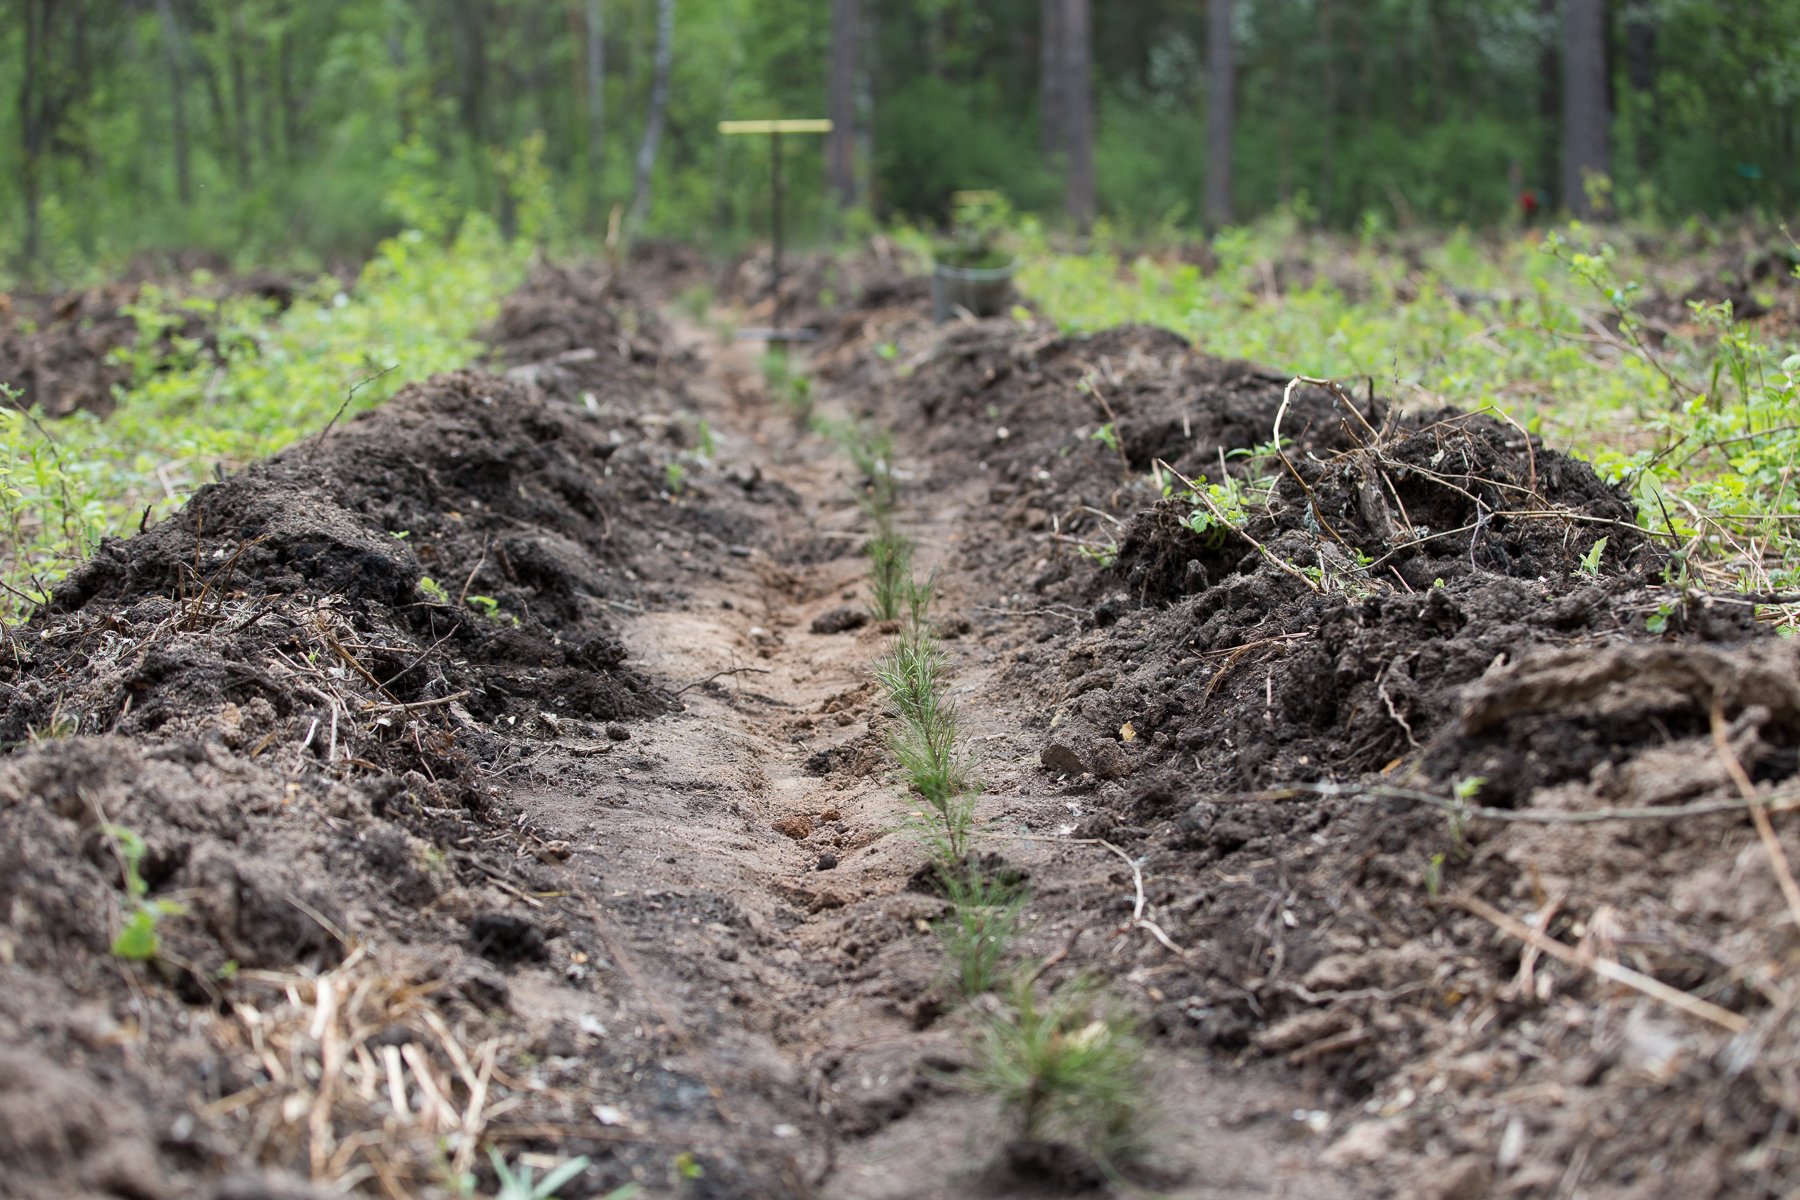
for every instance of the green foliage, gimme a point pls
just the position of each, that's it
(1590, 562)
(978, 932)
(1064, 1067)
(890, 573)
(1696, 422)
(520, 1183)
(311, 131)
(280, 379)
(925, 742)
(137, 940)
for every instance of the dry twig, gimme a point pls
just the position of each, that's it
(1606, 968)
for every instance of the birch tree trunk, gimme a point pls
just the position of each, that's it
(596, 90)
(31, 133)
(659, 103)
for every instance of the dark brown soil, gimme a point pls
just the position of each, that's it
(299, 693)
(1265, 716)
(65, 353)
(508, 763)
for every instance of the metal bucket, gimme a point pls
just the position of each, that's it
(983, 291)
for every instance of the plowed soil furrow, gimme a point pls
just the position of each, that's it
(768, 802)
(505, 771)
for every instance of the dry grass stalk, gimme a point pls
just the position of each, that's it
(347, 1108)
(1778, 861)
(1606, 968)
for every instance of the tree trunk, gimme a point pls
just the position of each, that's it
(659, 103)
(1328, 106)
(595, 84)
(1585, 117)
(1078, 110)
(1640, 73)
(1052, 136)
(471, 65)
(176, 59)
(240, 97)
(1220, 86)
(286, 97)
(840, 150)
(31, 88)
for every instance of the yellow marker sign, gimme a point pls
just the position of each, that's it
(820, 126)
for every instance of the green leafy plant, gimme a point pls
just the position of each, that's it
(487, 606)
(520, 1183)
(1434, 876)
(433, 590)
(137, 940)
(1590, 562)
(279, 379)
(1105, 557)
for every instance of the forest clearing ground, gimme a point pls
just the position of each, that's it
(848, 979)
(510, 760)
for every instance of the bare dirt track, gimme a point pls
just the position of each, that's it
(517, 788)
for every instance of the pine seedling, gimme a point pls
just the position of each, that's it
(1064, 1069)
(890, 572)
(984, 916)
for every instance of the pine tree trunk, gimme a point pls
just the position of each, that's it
(240, 98)
(1052, 137)
(1640, 73)
(596, 91)
(1585, 118)
(659, 103)
(31, 133)
(1078, 111)
(176, 58)
(840, 151)
(1328, 114)
(1220, 89)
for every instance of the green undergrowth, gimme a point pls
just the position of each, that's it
(1061, 1063)
(1571, 333)
(262, 382)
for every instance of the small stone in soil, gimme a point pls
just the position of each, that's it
(1098, 756)
(827, 861)
(799, 827)
(1061, 758)
(618, 733)
(840, 620)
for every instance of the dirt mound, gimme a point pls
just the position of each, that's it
(66, 353)
(1387, 664)
(272, 728)
(838, 294)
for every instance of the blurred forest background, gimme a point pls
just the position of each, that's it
(297, 129)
